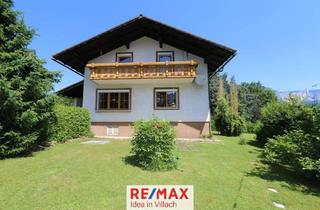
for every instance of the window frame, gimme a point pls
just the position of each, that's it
(158, 53)
(123, 53)
(167, 89)
(113, 90)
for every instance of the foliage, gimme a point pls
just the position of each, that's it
(299, 147)
(25, 104)
(221, 115)
(67, 101)
(296, 149)
(252, 127)
(70, 122)
(227, 122)
(153, 145)
(278, 118)
(253, 96)
(245, 99)
(216, 83)
(242, 140)
(234, 95)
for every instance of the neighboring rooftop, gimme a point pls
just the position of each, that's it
(77, 56)
(75, 90)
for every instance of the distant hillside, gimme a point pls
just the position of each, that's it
(309, 96)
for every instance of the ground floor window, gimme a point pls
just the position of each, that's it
(166, 98)
(113, 99)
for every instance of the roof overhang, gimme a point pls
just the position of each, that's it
(77, 56)
(74, 91)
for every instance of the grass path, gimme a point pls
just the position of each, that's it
(76, 176)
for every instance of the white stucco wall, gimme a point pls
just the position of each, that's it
(194, 102)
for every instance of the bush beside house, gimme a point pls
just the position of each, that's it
(153, 145)
(70, 122)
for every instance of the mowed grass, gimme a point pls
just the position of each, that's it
(76, 176)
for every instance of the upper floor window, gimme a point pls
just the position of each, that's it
(163, 56)
(113, 99)
(124, 57)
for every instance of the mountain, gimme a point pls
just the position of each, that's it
(309, 96)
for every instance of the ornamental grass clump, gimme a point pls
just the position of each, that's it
(153, 145)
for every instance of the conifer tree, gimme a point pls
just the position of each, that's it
(25, 102)
(234, 96)
(221, 92)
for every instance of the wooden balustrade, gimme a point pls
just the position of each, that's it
(143, 70)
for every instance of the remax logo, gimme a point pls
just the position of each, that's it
(147, 197)
(159, 193)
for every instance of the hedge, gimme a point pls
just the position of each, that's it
(70, 122)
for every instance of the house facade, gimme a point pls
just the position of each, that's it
(144, 68)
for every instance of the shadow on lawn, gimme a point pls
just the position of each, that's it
(289, 178)
(131, 160)
(30, 153)
(255, 143)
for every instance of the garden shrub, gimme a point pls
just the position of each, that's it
(70, 122)
(278, 118)
(153, 145)
(299, 148)
(296, 149)
(227, 122)
(252, 127)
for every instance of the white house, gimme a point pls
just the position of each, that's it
(143, 68)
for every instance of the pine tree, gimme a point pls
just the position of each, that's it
(214, 85)
(226, 117)
(25, 103)
(234, 96)
(221, 92)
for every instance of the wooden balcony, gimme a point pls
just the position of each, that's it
(142, 70)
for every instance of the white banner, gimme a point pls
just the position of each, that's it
(159, 197)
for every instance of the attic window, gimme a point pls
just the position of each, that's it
(163, 56)
(124, 57)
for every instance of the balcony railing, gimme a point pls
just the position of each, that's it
(143, 70)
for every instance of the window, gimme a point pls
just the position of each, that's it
(112, 131)
(124, 57)
(113, 99)
(163, 56)
(166, 98)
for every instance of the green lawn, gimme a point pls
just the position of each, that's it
(76, 176)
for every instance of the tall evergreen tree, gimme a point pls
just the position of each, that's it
(25, 103)
(221, 92)
(234, 95)
(214, 84)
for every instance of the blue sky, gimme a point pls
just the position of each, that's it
(278, 42)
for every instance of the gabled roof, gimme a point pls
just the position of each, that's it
(77, 56)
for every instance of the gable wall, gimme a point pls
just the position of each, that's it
(194, 102)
